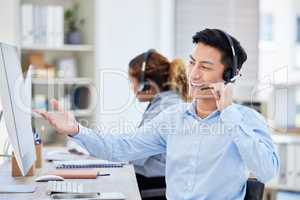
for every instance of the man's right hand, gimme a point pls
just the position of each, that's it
(64, 122)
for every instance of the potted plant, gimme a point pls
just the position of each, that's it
(73, 25)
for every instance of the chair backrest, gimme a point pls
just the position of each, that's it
(254, 190)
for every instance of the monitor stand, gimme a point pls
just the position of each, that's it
(15, 170)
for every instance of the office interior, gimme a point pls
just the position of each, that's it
(85, 68)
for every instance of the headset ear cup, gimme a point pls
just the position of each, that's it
(144, 86)
(141, 87)
(227, 75)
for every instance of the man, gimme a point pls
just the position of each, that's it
(211, 144)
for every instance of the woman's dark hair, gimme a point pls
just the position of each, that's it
(165, 74)
(217, 39)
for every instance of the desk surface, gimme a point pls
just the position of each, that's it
(121, 180)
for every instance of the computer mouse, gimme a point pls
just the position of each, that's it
(47, 178)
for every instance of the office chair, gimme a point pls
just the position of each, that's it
(255, 189)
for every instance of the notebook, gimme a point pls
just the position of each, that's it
(87, 164)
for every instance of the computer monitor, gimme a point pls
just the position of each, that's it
(16, 103)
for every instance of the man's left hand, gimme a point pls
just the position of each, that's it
(223, 94)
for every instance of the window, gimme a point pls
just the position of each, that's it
(298, 29)
(266, 27)
(297, 118)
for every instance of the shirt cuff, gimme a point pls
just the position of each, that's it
(82, 131)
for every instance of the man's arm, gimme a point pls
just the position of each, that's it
(250, 134)
(142, 143)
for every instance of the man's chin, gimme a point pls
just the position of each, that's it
(202, 95)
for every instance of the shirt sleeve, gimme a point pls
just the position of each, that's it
(142, 143)
(250, 134)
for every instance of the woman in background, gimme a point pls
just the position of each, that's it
(161, 83)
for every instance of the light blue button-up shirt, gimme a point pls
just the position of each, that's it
(206, 159)
(155, 166)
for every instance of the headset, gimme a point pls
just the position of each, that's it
(231, 73)
(144, 85)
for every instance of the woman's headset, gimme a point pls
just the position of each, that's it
(231, 73)
(144, 85)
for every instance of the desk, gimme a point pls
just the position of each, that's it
(121, 180)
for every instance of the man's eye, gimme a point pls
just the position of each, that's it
(206, 68)
(191, 62)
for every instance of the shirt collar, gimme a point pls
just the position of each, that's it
(191, 110)
(161, 95)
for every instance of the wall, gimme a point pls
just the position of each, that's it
(8, 34)
(125, 29)
(237, 17)
(8, 21)
(278, 61)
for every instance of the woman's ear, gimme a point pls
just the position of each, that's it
(148, 94)
(153, 87)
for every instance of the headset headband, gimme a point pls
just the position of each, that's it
(234, 58)
(146, 56)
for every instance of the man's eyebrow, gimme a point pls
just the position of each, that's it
(202, 62)
(192, 58)
(206, 62)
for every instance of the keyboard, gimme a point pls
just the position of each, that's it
(74, 190)
(64, 187)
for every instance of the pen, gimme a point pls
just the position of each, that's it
(102, 174)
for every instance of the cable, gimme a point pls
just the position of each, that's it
(5, 155)
(6, 143)
(5, 146)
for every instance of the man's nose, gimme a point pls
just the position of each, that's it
(196, 73)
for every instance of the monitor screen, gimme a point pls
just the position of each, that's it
(15, 91)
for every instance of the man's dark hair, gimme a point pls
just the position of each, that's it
(217, 39)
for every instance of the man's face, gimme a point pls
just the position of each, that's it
(204, 67)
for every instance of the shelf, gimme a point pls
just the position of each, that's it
(66, 47)
(77, 113)
(82, 113)
(288, 138)
(282, 187)
(62, 81)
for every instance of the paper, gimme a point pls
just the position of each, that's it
(17, 188)
(60, 155)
